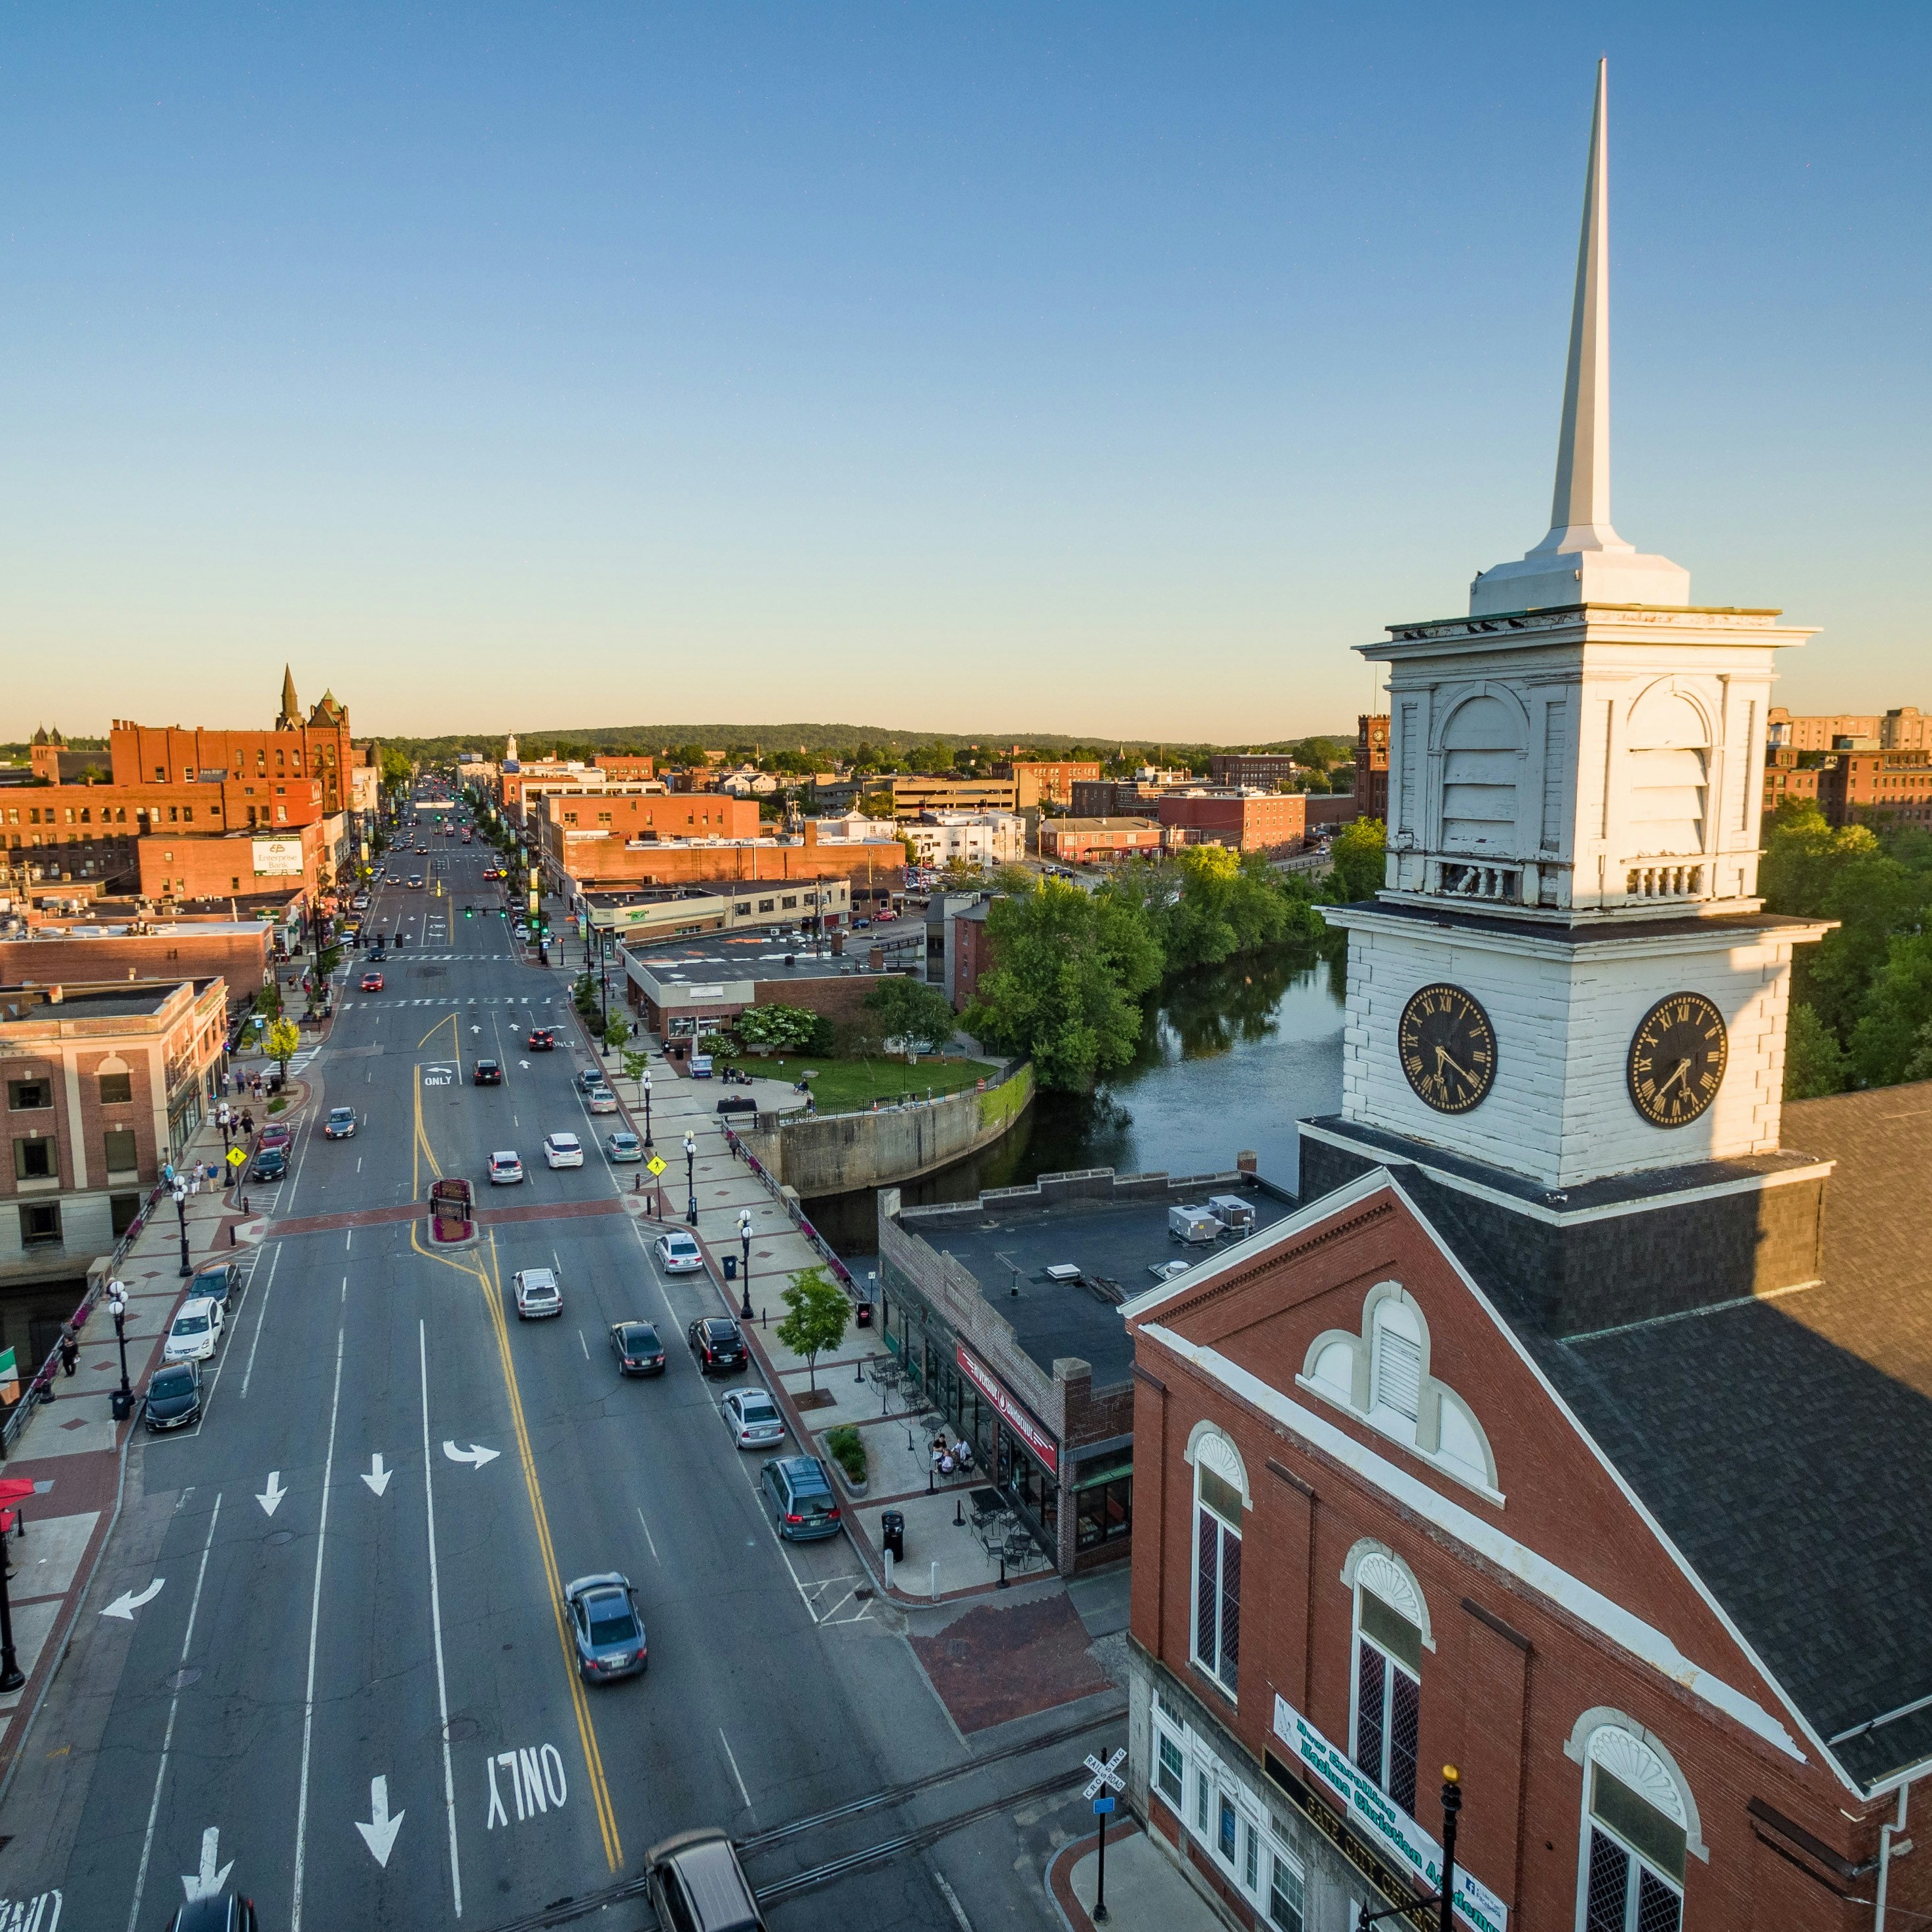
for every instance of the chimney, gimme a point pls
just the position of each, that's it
(811, 834)
(1248, 1162)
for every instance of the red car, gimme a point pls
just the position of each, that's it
(372, 982)
(274, 1137)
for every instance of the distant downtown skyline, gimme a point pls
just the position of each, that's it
(1113, 372)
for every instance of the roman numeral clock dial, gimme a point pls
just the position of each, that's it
(1448, 1048)
(1677, 1060)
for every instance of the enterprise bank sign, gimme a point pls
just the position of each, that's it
(1384, 1822)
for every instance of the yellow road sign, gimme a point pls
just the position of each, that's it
(236, 1156)
(655, 1165)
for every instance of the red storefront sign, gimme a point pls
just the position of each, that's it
(1016, 1418)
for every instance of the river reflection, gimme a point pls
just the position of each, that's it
(1230, 1058)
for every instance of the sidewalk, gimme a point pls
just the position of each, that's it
(1147, 1891)
(72, 1450)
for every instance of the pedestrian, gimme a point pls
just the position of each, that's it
(70, 1350)
(247, 1123)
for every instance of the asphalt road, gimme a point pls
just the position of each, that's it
(363, 1542)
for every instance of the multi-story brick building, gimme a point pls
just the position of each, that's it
(1878, 788)
(1245, 821)
(53, 953)
(1261, 771)
(102, 1083)
(913, 793)
(582, 857)
(1785, 778)
(1905, 729)
(1099, 841)
(181, 865)
(1038, 781)
(1372, 744)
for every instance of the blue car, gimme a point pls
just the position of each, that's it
(604, 1624)
(799, 1494)
(218, 1283)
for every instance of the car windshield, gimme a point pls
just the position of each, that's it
(756, 1411)
(172, 1382)
(191, 1324)
(341, 1114)
(611, 1622)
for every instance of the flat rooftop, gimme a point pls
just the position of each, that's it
(132, 999)
(1113, 1229)
(709, 958)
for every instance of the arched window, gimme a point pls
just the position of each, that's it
(1390, 1624)
(1220, 1491)
(1396, 1364)
(1637, 1830)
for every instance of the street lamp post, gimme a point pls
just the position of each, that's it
(117, 1306)
(745, 1238)
(180, 1211)
(645, 1083)
(690, 1178)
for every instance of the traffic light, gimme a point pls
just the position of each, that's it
(468, 912)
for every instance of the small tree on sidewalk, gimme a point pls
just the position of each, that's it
(817, 1313)
(282, 1042)
(616, 1030)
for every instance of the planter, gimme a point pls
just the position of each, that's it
(857, 1489)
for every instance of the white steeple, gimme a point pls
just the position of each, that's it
(1583, 560)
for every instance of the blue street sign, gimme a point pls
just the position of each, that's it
(1102, 1805)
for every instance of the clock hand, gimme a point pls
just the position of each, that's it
(1682, 1072)
(1442, 1060)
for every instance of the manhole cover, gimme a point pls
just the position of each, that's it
(179, 1680)
(279, 1536)
(460, 1730)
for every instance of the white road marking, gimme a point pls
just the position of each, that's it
(436, 1623)
(124, 1605)
(268, 1288)
(271, 1499)
(207, 1882)
(375, 1476)
(168, 1734)
(314, 1634)
(583, 1344)
(476, 1453)
(951, 1899)
(731, 1759)
(379, 1834)
(649, 1539)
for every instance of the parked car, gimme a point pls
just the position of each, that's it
(506, 1168)
(487, 1073)
(588, 1077)
(562, 1151)
(752, 1418)
(273, 1137)
(799, 1493)
(220, 1283)
(601, 1100)
(270, 1164)
(695, 1880)
(173, 1399)
(637, 1348)
(538, 1293)
(677, 1253)
(196, 1330)
(623, 1145)
(715, 1340)
(604, 1623)
(542, 1040)
(340, 1125)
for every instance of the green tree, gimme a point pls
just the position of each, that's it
(816, 1312)
(785, 1028)
(635, 1065)
(282, 1042)
(1885, 1043)
(911, 1011)
(1814, 1063)
(1069, 968)
(398, 768)
(1358, 850)
(616, 1030)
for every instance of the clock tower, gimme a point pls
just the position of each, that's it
(1567, 996)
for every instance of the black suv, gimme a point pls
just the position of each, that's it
(715, 1340)
(488, 1074)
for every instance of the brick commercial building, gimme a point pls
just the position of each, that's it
(1038, 781)
(1785, 778)
(103, 1084)
(582, 858)
(236, 952)
(1906, 729)
(1099, 841)
(181, 865)
(626, 815)
(1261, 771)
(957, 952)
(1005, 1311)
(912, 793)
(1127, 798)
(679, 1000)
(1244, 821)
(1875, 787)
(1371, 743)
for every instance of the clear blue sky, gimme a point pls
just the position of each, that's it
(1108, 368)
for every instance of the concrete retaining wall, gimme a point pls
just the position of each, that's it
(836, 1154)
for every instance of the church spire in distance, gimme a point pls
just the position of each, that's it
(291, 717)
(1583, 560)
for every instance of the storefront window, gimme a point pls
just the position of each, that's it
(1036, 1492)
(1103, 1508)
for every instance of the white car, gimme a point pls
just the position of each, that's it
(197, 1329)
(678, 1253)
(752, 1418)
(505, 1168)
(538, 1294)
(601, 1100)
(563, 1150)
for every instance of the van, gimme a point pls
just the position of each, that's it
(697, 1885)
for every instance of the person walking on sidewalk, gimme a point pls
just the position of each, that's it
(70, 1351)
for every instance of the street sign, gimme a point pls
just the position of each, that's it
(1101, 1806)
(655, 1165)
(235, 1157)
(1106, 1776)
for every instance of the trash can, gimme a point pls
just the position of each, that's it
(121, 1405)
(864, 1315)
(730, 1267)
(892, 1533)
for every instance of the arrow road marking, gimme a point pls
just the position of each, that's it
(271, 1499)
(476, 1453)
(379, 1834)
(124, 1605)
(376, 1476)
(207, 1883)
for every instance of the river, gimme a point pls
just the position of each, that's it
(1231, 1057)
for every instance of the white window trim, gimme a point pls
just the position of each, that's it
(1224, 1528)
(1607, 1718)
(1200, 1762)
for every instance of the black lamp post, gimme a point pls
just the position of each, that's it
(117, 1306)
(691, 1178)
(1452, 1803)
(745, 1238)
(645, 1082)
(181, 1210)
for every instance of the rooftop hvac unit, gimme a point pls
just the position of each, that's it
(1233, 1214)
(1063, 1271)
(1193, 1225)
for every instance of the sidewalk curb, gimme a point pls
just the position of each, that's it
(1059, 1872)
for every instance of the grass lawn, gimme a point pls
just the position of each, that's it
(847, 1086)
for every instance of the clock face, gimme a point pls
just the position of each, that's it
(1448, 1048)
(1677, 1060)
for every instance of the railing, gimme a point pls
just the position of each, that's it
(1501, 885)
(1664, 882)
(999, 1077)
(840, 1271)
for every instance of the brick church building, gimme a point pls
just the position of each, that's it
(1571, 1433)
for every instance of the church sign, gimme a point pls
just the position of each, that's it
(1391, 1829)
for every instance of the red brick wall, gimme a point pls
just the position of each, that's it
(222, 867)
(1501, 1703)
(323, 753)
(1260, 822)
(239, 958)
